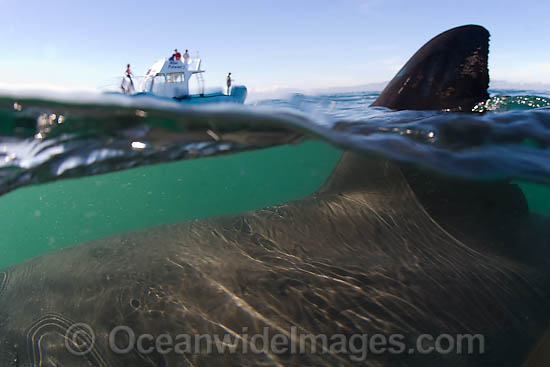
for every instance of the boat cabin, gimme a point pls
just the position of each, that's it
(170, 78)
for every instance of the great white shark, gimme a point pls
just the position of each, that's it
(381, 249)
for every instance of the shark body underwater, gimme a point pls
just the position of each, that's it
(381, 248)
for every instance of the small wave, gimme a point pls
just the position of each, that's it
(44, 139)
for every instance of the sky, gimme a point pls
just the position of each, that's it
(298, 44)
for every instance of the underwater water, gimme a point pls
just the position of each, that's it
(42, 218)
(253, 156)
(81, 168)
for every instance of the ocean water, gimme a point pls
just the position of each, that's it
(78, 168)
(42, 218)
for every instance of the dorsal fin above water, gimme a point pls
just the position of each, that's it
(448, 72)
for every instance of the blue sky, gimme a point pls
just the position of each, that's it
(265, 44)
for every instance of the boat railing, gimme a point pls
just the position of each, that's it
(132, 84)
(143, 83)
(193, 64)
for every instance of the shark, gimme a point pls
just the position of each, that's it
(385, 265)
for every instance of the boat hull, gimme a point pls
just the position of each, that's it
(238, 95)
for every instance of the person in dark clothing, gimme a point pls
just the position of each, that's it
(228, 83)
(128, 73)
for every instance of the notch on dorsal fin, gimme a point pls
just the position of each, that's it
(448, 72)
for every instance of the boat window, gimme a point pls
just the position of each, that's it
(160, 79)
(175, 78)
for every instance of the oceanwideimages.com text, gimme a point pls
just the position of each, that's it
(80, 340)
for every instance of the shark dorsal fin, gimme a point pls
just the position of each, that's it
(448, 72)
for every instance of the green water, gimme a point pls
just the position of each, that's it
(39, 219)
(538, 197)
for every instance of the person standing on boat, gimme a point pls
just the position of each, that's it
(185, 58)
(128, 71)
(228, 83)
(129, 75)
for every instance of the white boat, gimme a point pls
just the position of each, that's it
(168, 78)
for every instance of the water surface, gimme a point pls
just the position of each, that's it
(78, 168)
